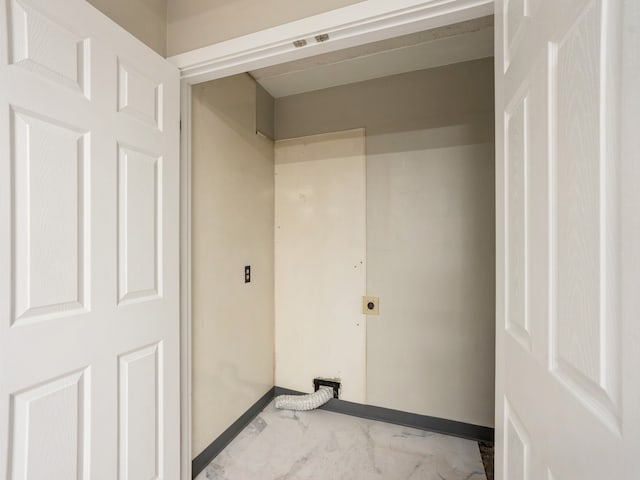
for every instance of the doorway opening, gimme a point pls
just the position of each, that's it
(365, 171)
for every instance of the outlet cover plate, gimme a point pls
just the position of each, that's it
(366, 301)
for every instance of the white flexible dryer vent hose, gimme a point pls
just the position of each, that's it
(305, 402)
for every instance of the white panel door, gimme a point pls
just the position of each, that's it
(320, 248)
(568, 239)
(89, 323)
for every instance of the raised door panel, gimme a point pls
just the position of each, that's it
(139, 224)
(584, 323)
(50, 200)
(517, 461)
(40, 44)
(516, 218)
(141, 443)
(50, 430)
(515, 14)
(139, 96)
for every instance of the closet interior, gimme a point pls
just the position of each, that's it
(367, 172)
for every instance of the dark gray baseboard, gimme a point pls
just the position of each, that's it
(201, 461)
(413, 420)
(371, 412)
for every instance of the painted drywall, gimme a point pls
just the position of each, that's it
(144, 19)
(319, 263)
(430, 231)
(453, 95)
(446, 45)
(232, 226)
(265, 117)
(197, 23)
(430, 259)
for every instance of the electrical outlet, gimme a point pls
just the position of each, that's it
(247, 274)
(370, 305)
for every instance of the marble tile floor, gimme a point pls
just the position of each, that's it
(287, 445)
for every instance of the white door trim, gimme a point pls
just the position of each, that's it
(185, 280)
(364, 22)
(358, 24)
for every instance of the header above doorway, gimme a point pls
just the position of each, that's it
(350, 26)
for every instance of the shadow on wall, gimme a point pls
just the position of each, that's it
(232, 101)
(456, 102)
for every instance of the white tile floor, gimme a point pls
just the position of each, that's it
(286, 445)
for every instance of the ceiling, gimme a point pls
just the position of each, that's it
(455, 43)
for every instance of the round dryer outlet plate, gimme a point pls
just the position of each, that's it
(370, 305)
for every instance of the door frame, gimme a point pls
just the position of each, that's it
(358, 24)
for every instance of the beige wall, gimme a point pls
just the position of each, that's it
(430, 259)
(430, 231)
(460, 95)
(171, 27)
(233, 219)
(265, 117)
(198, 23)
(144, 19)
(320, 253)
